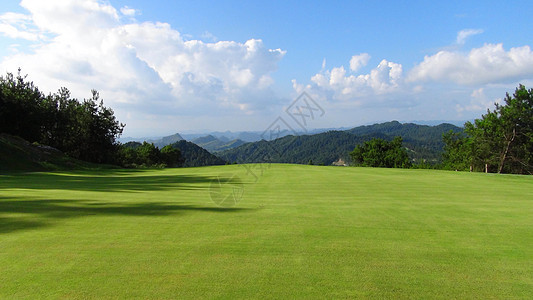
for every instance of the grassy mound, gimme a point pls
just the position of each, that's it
(282, 231)
(17, 154)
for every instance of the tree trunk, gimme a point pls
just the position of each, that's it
(504, 154)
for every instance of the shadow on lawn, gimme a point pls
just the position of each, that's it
(23, 213)
(108, 181)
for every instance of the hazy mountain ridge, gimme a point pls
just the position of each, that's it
(424, 142)
(213, 144)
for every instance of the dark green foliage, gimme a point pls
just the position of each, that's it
(381, 153)
(195, 156)
(500, 141)
(17, 154)
(424, 142)
(21, 108)
(323, 148)
(457, 151)
(84, 130)
(146, 155)
(171, 156)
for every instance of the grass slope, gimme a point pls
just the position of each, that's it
(17, 154)
(297, 232)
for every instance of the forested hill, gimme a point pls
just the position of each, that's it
(196, 156)
(322, 148)
(408, 131)
(213, 144)
(424, 143)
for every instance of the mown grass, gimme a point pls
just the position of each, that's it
(296, 232)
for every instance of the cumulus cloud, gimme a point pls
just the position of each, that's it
(478, 102)
(144, 67)
(15, 26)
(490, 63)
(466, 33)
(128, 11)
(359, 61)
(338, 85)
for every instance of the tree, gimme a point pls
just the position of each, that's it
(381, 153)
(20, 107)
(457, 151)
(84, 130)
(501, 140)
(148, 154)
(171, 156)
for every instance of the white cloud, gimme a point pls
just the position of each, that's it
(488, 64)
(15, 26)
(383, 79)
(144, 67)
(479, 102)
(359, 61)
(466, 33)
(127, 11)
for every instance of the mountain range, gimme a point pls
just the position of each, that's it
(424, 144)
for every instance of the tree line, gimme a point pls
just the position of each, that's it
(501, 141)
(85, 130)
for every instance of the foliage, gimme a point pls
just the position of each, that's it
(456, 151)
(424, 144)
(381, 153)
(171, 156)
(134, 154)
(195, 156)
(500, 141)
(84, 130)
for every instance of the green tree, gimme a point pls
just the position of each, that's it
(148, 154)
(501, 140)
(171, 156)
(457, 151)
(381, 153)
(84, 130)
(20, 107)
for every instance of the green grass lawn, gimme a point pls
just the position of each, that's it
(296, 232)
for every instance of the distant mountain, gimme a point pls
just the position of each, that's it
(227, 136)
(205, 140)
(213, 144)
(323, 148)
(196, 156)
(167, 140)
(424, 143)
(158, 142)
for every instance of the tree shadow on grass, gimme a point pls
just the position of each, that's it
(115, 181)
(24, 213)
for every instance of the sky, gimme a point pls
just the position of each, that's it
(198, 66)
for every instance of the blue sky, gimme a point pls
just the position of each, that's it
(177, 66)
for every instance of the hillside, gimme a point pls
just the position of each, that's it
(17, 154)
(323, 148)
(423, 142)
(196, 156)
(167, 140)
(213, 144)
